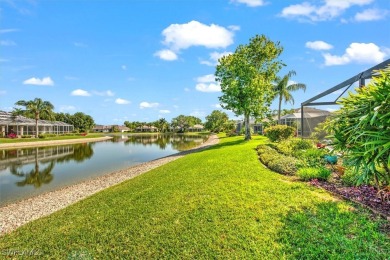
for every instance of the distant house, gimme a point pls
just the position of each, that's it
(102, 128)
(21, 125)
(196, 128)
(311, 118)
(109, 128)
(146, 128)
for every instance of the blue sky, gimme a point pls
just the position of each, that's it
(141, 60)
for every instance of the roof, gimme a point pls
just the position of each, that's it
(308, 112)
(6, 118)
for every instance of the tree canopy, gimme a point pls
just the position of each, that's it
(246, 78)
(283, 90)
(215, 122)
(35, 109)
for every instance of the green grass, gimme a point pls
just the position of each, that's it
(22, 140)
(217, 203)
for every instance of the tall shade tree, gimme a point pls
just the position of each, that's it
(246, 78)
(283, 90)
(35, 109)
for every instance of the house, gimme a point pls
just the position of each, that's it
(196, 128)
(21, 125)
(311, 118)
(102, 128)
(109, 128)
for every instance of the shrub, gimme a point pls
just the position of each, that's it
(278, 133)
(310, 173)
(312, 157)
(301, 144)
(26, 136)
(284, 165)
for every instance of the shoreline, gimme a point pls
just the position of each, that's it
(52, 142)
(19, 213)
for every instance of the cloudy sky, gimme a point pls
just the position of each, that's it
(141, 60)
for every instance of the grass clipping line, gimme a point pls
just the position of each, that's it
(17, 214)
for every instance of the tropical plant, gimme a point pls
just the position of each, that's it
(284, 89)
(35, 109)
(362, 129)
(246, 78)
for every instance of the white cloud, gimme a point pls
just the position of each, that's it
(67, 108)
(122, 101)
(251, 3)
(207, 83)
(7, 43)
(3, 92)
(329, 10)
(144, 104)
(8, 30)
(318, 45)
(206, 78)
(164, 111)
(107, 93)
(47, 81)
(210, 87)
(194, 33)
(217, 105)
(124, 67)
(80, 92)
(371, 15)
(368, 53)
(214, 57)
(166, 55)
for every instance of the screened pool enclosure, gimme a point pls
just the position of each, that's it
(21, 125)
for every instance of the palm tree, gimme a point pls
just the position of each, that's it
(283, 90)
(34, 109)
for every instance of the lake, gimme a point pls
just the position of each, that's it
(28, 172)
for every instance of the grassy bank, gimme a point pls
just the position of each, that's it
(64, 137)
(218, 203)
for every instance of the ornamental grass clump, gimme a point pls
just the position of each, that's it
(362, 130)
(310, 173)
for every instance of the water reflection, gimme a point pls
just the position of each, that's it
(36, 176)
(30, 171)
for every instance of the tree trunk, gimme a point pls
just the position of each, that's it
(280, 108)
(36, 128)
(247, 129)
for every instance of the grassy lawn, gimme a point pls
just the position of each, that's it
(21, 140)
(218, 203)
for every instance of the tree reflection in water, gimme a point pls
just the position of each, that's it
(36, 177)
(178, 142)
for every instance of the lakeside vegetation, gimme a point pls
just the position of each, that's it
(217, 203)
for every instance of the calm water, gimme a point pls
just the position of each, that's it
(28, 172)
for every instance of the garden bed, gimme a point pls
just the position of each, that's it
(364, 195)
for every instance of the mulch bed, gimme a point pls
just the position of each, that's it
(364, 195)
